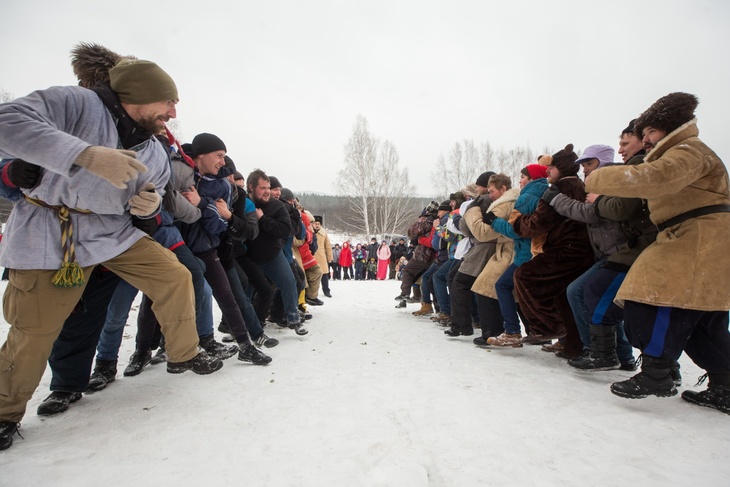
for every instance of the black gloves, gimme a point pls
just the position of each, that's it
(23, 174)
(148, 225)
(549, 195)
(489, 218)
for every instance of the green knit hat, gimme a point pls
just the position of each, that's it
(140, 82)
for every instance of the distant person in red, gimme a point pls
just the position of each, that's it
(383, 261)
(346, 260)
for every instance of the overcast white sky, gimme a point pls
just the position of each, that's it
(282, 81)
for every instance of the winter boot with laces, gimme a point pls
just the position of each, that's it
(426, 309)
(105, 372)
(160, 356)
(217, 350)
(8, 429)
(57, 402)
(250, 353)
(676, 375)
(717, 394)
(456, 330)
(603, 350)
(201, 364)
(655, 379)
(137, 362)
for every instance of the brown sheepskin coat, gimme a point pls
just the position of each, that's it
(502, 258)
(688, 265)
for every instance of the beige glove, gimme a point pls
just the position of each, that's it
(115, 165)
(146, 201)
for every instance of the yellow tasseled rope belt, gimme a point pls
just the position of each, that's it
(70, 274)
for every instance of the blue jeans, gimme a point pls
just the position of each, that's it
(576, 298)
(116, 317)
(505, 286)
(279, 272)
(440, 286)
(425, 286)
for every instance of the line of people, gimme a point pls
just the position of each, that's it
(376, 261)
(108, 204)
(629, 259)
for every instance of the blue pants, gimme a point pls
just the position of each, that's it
(505, 287)
(277, 270)
(441, 288)
(426, 284)
(591, 299)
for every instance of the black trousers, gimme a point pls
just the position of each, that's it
(660, 331)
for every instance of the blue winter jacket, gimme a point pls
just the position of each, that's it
(526, 203)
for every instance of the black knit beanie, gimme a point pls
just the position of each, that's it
(206, 143)
(274, 182)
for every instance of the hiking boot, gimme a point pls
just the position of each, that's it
(265, 341)
(137, 362)
(159, 357)
(217, 350)
(401, 304)
(717, 394)
(7, 431)
(401, 297)
(426, 309)
(57, 402)
(438, 317)
(249, 353)
(304, 316)
(506, 340)
(412, 300)
(298, 328)
(201, 364)
(603, 350)
(314, 302)
(654, 379)
(105, 372)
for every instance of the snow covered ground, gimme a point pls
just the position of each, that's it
(373, 396)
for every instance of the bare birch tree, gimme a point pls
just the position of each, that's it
(374, 184)
(465, 164)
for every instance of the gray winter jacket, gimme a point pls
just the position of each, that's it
(51, 128)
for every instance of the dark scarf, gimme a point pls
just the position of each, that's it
(130, 132)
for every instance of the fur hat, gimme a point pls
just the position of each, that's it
(459, 198)
(91, 63)
(206, 143)
(133, 80)
(667, 113)
(564, 160)
(318, 218)
(483, 179)
(470, 190)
